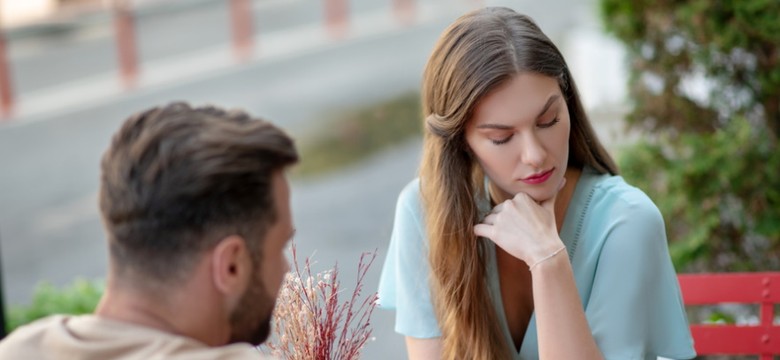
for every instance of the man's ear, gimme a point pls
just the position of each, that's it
(231, 266)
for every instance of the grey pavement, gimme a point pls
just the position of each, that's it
(71, 47)
(299, 78)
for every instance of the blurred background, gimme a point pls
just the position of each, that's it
(681, 107)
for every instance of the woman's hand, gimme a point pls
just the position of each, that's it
(523, 228)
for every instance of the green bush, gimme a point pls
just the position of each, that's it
(705, 83)
(719, 193)
(80, 297)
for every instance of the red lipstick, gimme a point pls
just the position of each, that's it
(538, 178)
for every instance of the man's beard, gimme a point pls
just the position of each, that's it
(251, 319)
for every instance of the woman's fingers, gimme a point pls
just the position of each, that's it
(521, 226)
(489, 232)
(490, 219)
(484, 230)
(498, 208)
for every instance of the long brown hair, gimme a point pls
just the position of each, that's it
(474, 55)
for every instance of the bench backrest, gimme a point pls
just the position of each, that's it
(745, 288)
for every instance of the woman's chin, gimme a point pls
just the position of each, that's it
(542, 198)
(539, 193)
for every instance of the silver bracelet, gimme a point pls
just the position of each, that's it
(548, 257)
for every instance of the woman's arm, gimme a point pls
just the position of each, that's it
(528, 231)
(562, 328)
(423, 349)
(403, 284)
(634, 304)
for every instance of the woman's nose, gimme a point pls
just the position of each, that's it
(532, 152)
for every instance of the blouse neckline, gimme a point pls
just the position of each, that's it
(570, 233)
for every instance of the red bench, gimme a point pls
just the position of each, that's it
(744, 288)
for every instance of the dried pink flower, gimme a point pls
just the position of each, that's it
(310, 322)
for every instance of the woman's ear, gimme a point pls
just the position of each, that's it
(231, 266)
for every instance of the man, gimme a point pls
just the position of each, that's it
(196, 208)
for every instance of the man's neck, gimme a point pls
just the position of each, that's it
(172, 311)
(117, 305)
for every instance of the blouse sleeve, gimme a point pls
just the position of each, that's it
(635, 308)
(403, 284)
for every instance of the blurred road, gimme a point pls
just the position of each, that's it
(82, 46)
(71, 102)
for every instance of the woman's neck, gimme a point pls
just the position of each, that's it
(564, 196)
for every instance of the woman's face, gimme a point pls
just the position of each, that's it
(519, 134)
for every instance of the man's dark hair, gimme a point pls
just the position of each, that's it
(177, 179)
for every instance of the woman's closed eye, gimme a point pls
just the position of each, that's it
(502, 140)
(505, 139)
(549, 123)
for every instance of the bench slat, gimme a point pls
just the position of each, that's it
(703, 289)
(736, 340)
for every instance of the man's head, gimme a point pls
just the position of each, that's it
(180, 185)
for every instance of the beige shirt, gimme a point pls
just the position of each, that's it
(89, 337)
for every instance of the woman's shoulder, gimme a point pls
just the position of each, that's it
(408, 209)
(612, 194)
(621, 217)
(410, 195)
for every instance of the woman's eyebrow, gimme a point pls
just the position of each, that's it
(494, 126)
(551, 100)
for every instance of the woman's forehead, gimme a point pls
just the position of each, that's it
(526, 96)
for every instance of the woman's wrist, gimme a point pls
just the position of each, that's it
(542, 248)
(546, 258)
(549, 254)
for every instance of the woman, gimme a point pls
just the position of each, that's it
(581, 270)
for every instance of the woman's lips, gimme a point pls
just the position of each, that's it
(539, 178)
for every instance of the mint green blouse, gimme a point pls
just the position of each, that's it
(616, 243)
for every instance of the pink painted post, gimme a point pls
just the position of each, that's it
(336, 17)
(6, 90)
(404, 11)
(124, 26)
(241, 14)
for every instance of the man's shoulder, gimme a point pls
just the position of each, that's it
(92, 337)
(228, 352)
(30, 337)
(34, 329)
